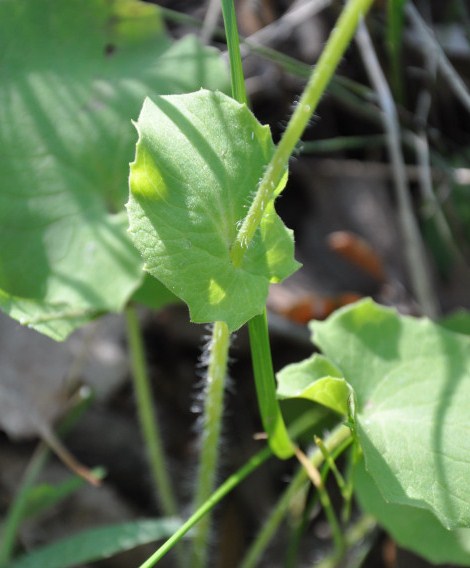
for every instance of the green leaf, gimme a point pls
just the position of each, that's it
(413, 528)
(315, 379)
(198, 162)
(72, 75)
(98, 543)
(411, 379)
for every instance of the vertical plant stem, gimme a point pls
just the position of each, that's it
(233, 46)
(213, 409)
(148, 418)
(271, 415)
(321, 76)
(414, 249)
(273, 421)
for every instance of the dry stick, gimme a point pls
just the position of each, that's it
(429, 43)
(296, 15)
(211, 20)
(55, 444)
(433, 208)
(414, 248)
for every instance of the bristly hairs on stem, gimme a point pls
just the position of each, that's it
(321, 76)
(215, 354)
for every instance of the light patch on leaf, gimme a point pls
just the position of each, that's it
(149, 182)
(216, 292)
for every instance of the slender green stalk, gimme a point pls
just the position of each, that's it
(337, 437)
(148, 418)
(271, 415)
(273, 421)
(332, 465)
(338, 536)
(15, 515)
(329, 59)
(217, 496)
(213, 409)
(233, 46)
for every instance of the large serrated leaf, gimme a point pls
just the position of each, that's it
(199, 159)
(411, 378)
(415, 529)
(72, 75)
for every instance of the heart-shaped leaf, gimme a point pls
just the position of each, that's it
(199, 159)
(72, 76)
(411, 378)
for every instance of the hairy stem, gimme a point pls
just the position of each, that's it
(217, 370)
(321, 76)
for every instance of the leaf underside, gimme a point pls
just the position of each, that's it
(198, 162)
